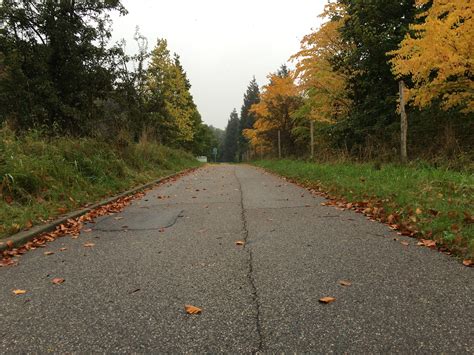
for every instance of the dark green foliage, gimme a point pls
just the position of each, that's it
(231, 139)
(58, 73)
(56, 63)
(375, 28)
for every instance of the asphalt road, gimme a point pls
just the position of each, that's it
(127, 292)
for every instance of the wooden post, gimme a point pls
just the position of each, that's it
(403, 123)
(279, 145)
(311, 128)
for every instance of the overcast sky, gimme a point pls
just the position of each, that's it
(222, 44)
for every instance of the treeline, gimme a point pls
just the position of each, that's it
(60, 74)
(346, 80)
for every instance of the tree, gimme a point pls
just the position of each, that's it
(373, 28)
(57, 62)
(437, 55)
(172, 112)
(279, 100)
(326, 98)
(231, 138)
(247, 118)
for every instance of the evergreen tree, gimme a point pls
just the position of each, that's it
(231, 139)
(373, 28)
(247, 118)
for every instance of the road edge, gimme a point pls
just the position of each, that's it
(25, 236)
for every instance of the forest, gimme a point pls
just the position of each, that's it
(345, 81)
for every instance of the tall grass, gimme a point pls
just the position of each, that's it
(43, 177)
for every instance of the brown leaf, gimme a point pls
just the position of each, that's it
(391, 218)
(405, 243)
(327, 300)
(29, 224)
(19, 292)
(62, 209)
(239, 242)
(88, 245)
(345, 283)
(418, 211)
(88, 230)
(48, 253)
(468, 262)
(10, 244)
(118, 218)
(8, 199)
(58, 280)
(192, 309)
(428, 243)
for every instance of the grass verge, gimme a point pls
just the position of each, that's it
(42, 178)
(427, 202)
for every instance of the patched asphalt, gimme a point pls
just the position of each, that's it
(176, 246)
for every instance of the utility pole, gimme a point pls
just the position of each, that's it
(403, 123)
(311, 128)
(279, 145)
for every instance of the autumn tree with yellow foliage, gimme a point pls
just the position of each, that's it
(324, 87)
(279, 100)
(438, 55)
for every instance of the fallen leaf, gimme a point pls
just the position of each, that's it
(239, 242)
(48, 253)
(58, 280)
(62, 210)
(192, 309)
(118, 218)
(468, 262)
(345, 283)
(9, 244)
(62, 249)
(19, 292)
(405, 243)
(327, 300)
(418, 211)
(428, 243)
(88, 230)
(29, 224)
(88, 245)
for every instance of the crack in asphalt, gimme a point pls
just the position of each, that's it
(250, 277)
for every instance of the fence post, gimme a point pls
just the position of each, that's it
(279, 145)
(403, 123)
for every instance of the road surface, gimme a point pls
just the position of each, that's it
(127, 292)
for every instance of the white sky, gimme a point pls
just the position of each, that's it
(222, 44)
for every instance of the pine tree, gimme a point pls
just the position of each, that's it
(247, 118)
(231, 139)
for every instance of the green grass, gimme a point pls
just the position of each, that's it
(445, 198)
(41, 178)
